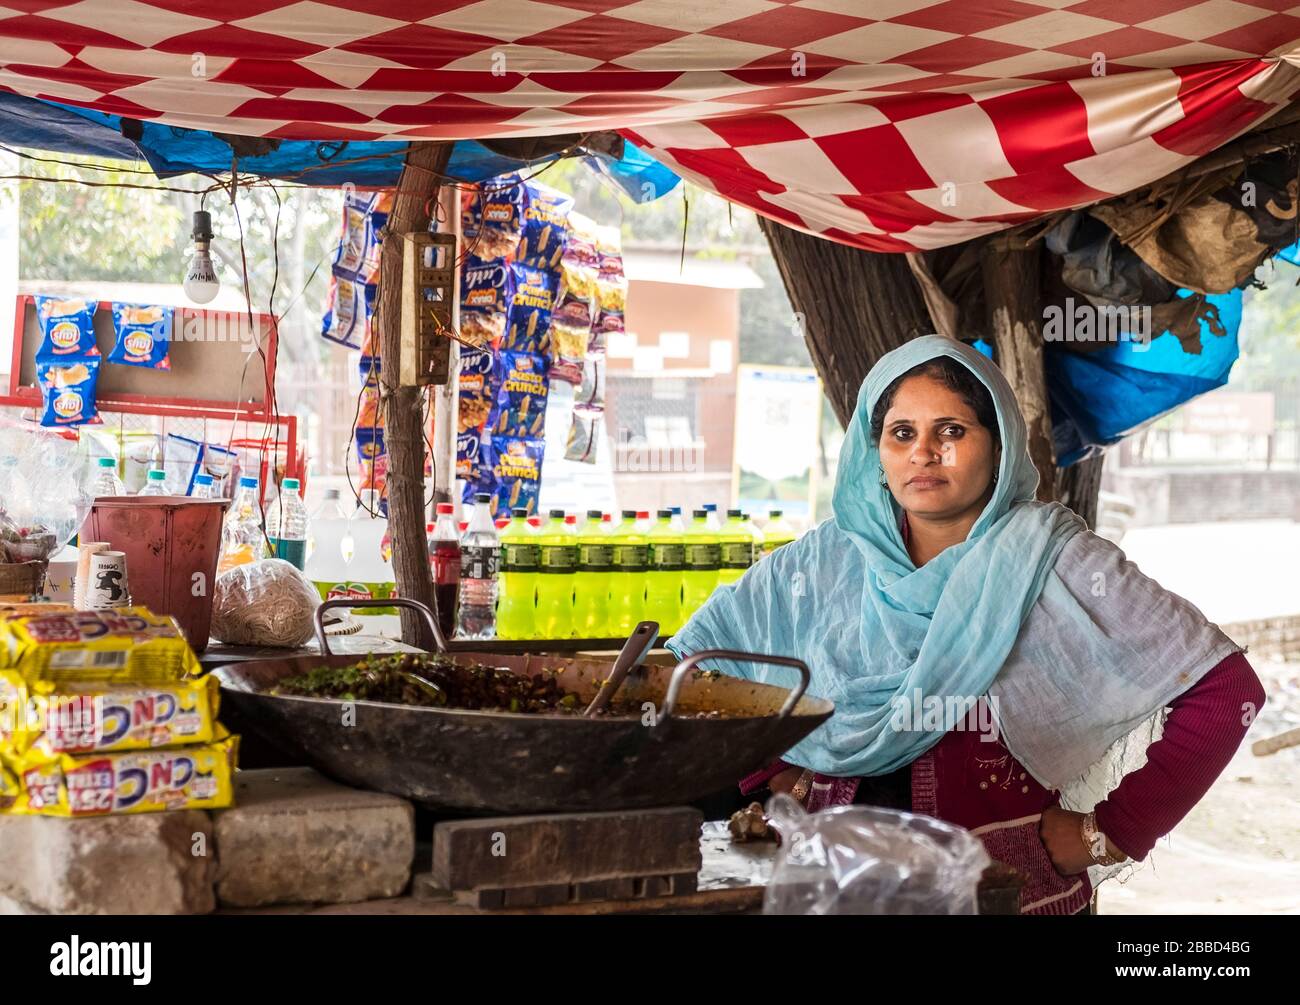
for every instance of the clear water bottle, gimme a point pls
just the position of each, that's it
(204, 487)
(286, 525)
(106, 481)
(156, 484)
(480, 557)
(242, 540)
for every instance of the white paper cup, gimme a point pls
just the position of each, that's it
(106, 585)
(84, 550)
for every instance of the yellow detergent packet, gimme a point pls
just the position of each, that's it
(128, 644)
(199, 776)
(85, 717)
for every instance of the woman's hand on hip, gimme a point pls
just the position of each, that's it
(1062, 835)
(784, 781)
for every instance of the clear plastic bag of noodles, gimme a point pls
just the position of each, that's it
(871, 860)
(266, 603)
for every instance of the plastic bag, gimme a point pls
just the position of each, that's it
(871, 860)
(265, 603)
(44, 478)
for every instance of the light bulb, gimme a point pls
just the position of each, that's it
(201, 282)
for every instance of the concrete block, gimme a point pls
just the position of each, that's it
(144, 863)
(295, 837)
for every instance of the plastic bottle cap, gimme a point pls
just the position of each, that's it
(733, 512)
(445, 509)
(700, 514)
(643, 514)
(607, 518)
(519, 514)
(675, 510)
(482, 497)
(156, 476)
(595, 514)
(557, 514)
(463, 526)
(571, 519)
(202, 479)
(107, 462)
(428, 528)
(247, 482)
(710, 507)
(774, 514)
(290, 485)
(332, 494)
(534, 521)
(665, 514)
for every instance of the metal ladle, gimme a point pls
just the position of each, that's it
(640, 642)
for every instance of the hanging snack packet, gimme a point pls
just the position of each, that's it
(67, 327)
(347, 314)
(68, 389)
(492, 218)
(371, 449)
(143, 336)
(473, 460)
(571, 321)
(517, 468)
(584, 432)
(476, 389)
(611, 288)
(529, 324)
(546, 229)
(520, 406)
(485, 291)
(591, 393)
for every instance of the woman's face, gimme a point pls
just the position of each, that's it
(939, 461)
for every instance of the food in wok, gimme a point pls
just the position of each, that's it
(437, 681)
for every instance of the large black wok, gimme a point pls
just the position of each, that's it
(501, 762)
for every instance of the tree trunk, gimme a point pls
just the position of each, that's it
(403, 406)
(852, 307)
(1079, 487)
(1015, 323)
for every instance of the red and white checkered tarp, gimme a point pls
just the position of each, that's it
(887, 124)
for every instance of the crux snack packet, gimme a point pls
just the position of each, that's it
(476, 388)
(492, 217)
(485, 294)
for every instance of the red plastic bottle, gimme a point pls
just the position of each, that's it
(444, 562)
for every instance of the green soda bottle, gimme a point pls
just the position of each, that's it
(520, 557)
(667, 563)
(755, 538)
(591, 582)
(737, 548)
(559, 554)
(703, 558)
(776, 532)
(627, 581)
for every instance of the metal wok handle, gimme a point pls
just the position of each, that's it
(688, 664)
(438, 639)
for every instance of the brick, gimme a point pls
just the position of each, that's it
(510, 852)
(141, 863)
(295, 837)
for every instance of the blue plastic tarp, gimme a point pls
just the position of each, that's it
(1099, 397)
(171, 151)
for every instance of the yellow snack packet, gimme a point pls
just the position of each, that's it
(127, 644)
(198, 776)
(86, 717)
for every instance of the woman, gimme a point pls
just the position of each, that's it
(941, 584)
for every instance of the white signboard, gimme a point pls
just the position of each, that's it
(778, 417)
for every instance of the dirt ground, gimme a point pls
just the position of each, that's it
(1238, 851)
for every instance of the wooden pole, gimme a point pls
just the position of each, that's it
(417, 188)
(1011, 292)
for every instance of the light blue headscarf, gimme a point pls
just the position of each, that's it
(847, 599)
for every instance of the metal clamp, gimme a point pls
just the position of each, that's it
(689, 664)
(439, 640)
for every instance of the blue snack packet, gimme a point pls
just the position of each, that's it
(531, 308)
(68, 389)
(476, 389)
(474, 461)
(492, 218)
(546, 228)
(520, 405)
(144, 335)
(517, 469)
(67, 327)
(485, 291)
